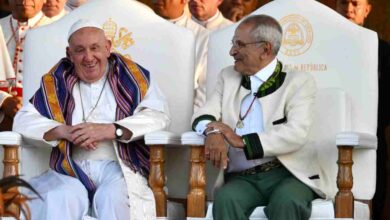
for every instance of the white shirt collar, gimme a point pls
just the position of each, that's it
(59, 15)
(179, 18)
(30, 22)
(262, 75)
(204, 23)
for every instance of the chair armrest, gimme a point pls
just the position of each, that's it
(162, 137)
(157, 142)
(10, 138)
(357, 140)
(346, 142)
(192, 138)
(196, 197)
(11, 141)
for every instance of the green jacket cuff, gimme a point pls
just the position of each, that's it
(253, 148)
(201, 118)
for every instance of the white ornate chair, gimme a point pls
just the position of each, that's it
(166, 50)
(342, 57)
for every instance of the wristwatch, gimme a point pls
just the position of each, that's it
(118, 132)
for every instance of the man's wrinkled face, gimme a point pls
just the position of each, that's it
(89, 51)
(23, 10)
(53, 7)
(204, 9)
(246, 51)
(354, 10)
(168, 9)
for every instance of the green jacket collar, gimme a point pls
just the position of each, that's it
(271, 85)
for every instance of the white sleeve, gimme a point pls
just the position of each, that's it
(151, 114)
(32, 125)
(3, 95)
(201, 126)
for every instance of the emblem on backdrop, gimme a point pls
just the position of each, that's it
(297, 35)
(120, 39)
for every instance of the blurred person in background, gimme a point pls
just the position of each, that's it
(73, 4)
(207, 14)
(54, 9)
(174, 11)
(234, 10)
(4, 8)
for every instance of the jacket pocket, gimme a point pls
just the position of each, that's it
(280, 121)
(314, 177)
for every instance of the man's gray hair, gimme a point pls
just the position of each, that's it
(265, 28)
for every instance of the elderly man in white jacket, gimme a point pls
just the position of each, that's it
(256, 125)
(92, 109)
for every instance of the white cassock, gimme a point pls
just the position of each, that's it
(59, 15)
(201, 39)
(216, 22)
(121, 193)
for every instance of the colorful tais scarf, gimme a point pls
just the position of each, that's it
(129, 83)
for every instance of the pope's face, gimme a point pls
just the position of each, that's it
(23, 10)
(89, 51)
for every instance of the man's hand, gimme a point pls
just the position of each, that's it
(58, 133)
(230, 136)
(87, 135)
(216, 150)
(11, 105)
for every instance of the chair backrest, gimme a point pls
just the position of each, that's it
(164, 49)
(326, 125)
(339, 54)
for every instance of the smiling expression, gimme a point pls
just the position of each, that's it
(89, 51)
(247, 59)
